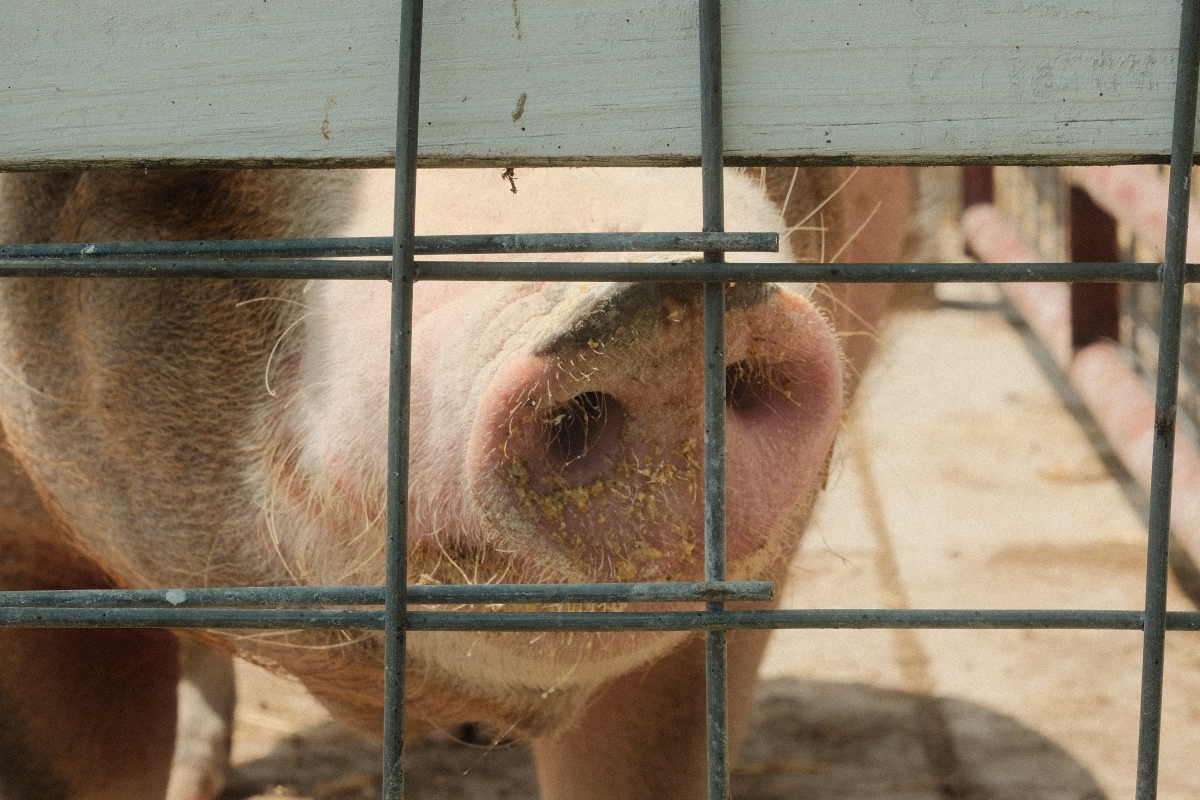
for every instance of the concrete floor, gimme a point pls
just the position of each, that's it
(963, 480)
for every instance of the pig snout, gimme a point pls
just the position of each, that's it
(589, 446)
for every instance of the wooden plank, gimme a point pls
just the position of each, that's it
(514, 82)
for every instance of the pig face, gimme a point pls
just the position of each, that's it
(225, 433)
(556, 428)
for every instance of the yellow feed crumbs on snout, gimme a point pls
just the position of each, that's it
(633, 502)
(640, 500)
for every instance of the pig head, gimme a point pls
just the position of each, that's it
(221, 433)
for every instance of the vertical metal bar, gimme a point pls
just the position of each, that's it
(395, 629)
(712, 158)
(1154, 637)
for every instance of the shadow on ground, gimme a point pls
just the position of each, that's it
(812, 739)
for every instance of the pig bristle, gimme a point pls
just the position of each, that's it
(7, 372)
(868, 330)
(857, 232)
(754, 373)
(346, 639)
(575, 408)
(275, 349)
(819, 208)
(273, 534)
(276, 299)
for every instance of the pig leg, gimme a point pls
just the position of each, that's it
(644, 735)
(205, 723)
(83, 713)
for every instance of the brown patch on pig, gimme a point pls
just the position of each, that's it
(90, 349)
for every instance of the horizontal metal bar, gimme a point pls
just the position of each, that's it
(951, 619)
(215, 248)
(447, 594)
(189, 618)
(256, 596)
(123, 267)
(615, 242)
(681, 592)
(788, 272)
(468, 244)
(677, 272)
(1071, 619)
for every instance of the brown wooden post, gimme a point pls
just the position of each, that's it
(978, 186)
(1095, 307)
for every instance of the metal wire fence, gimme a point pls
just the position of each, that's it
(307, 259)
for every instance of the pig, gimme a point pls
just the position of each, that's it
(188, 433)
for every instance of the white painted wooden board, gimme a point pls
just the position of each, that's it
(120, 82)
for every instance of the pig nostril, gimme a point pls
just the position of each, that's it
(752, 387)
(737, 386)
(575, 428)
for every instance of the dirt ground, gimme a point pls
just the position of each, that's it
(963, 480)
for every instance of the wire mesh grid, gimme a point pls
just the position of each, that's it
(286, 607)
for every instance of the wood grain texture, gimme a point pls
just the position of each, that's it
(514, 82)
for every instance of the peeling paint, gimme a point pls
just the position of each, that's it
(330, 102)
